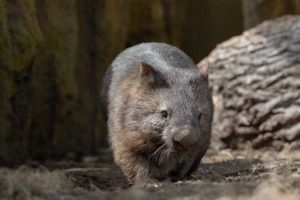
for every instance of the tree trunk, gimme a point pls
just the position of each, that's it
(256, 11)
(256, 84)
(52, 56)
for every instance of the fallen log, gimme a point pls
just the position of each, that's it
(255, 79)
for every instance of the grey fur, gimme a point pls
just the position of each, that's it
(141, 137)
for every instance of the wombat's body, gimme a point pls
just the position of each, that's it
(159, 111)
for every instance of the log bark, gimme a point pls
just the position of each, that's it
(255, 79)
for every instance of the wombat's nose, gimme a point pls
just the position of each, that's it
(185, 138)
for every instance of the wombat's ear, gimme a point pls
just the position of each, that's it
(148, 74)
(203, 69)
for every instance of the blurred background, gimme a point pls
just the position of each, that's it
(53, 54)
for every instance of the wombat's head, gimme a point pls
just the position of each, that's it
(174, 106)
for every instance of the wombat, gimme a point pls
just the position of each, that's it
(159, 112)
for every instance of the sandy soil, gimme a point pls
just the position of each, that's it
(224, 174)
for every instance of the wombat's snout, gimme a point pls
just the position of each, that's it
(184, 138)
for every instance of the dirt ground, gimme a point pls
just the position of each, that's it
(224, 174)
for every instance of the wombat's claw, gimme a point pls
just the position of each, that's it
(155, 185)
(152, 185)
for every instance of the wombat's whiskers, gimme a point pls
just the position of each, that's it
(164, 154)
(157, 154)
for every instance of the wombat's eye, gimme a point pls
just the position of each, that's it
(200, 116)
(164, 113)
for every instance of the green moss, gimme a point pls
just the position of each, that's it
(24, 32)
(19, 40)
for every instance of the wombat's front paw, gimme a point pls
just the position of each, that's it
(151, 183)
(143, 179)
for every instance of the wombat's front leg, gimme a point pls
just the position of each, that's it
(141, 176)
(134, 168)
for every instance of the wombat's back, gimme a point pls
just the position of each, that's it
(159, 55)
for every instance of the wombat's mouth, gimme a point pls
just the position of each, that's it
(165, 150)
(160, 154)
(157, 141)
(178, 148)
(162, 150)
